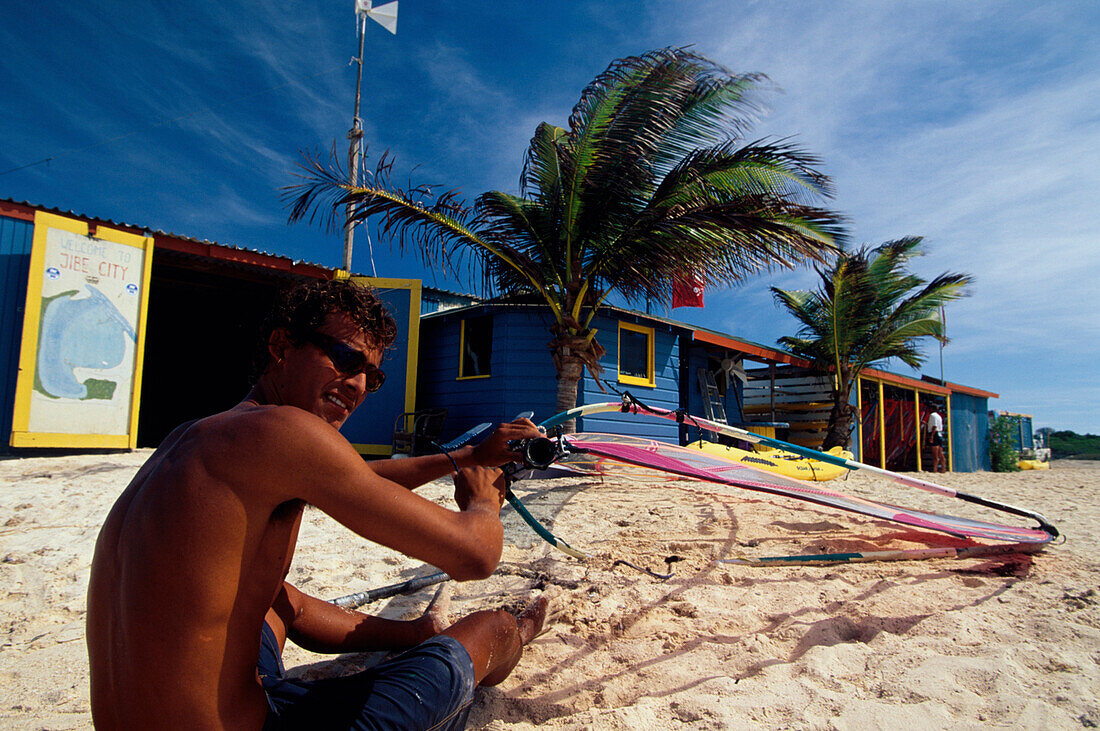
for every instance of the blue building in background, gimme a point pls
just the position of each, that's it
(488, 361)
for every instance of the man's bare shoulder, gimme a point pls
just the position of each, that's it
(268, 428)
(266, 446)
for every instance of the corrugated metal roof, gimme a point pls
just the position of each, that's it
(204, 242)
(158, 232)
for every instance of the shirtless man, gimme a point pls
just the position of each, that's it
(189, 568)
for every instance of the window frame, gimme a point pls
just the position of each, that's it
(462, 350)
(651, 336)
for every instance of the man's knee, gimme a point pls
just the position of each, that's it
(498, 622)
(487, 636)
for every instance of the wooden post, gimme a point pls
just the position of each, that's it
(916, 398)
(771, 372)
(859, 418)
(881, 427)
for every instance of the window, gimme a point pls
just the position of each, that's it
(636, 355)
(476, 346)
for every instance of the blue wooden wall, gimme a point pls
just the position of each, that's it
(523, 377)
(521, 372)
(16, 238)
(370, 427)
(664, 394)
(970, 433)
(698, 355)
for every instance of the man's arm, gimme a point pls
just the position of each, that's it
(293, 455)
(493, 452)
(319, 626)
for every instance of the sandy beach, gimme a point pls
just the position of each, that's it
(1006, 642)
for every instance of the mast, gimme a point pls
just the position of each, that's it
(356, 137)
(385, 16)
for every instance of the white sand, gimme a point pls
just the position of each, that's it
(1010, 642)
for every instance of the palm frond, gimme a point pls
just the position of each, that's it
(440, 228)
(649, 180)
(870, 308)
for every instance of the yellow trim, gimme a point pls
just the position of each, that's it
(70, 441)
(881, 427)
(950, 437)
(910, 384)
(859, 411)
(376, 450)
(462, 352)
(145, 243)
(415, 288)
(920, 441)
(21, 435)
(650, 334)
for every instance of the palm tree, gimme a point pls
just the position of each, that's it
(868, 308)
(648, 182)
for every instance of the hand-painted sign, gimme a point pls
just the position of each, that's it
(83, 334)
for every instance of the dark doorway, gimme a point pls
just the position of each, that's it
(204, 321)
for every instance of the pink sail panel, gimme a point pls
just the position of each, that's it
(712, 468)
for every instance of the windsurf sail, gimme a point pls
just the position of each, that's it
(700, 465)
(694, 463)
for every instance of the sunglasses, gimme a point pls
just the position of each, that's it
(347, 360)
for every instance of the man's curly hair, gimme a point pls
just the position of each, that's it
(303, 310)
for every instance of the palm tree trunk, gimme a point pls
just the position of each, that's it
(572, 353)
(570, 368)
(843, 414)
(840, 426)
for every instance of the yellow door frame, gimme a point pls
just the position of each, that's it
(412, 336)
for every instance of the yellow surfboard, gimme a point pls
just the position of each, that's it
(778, 461)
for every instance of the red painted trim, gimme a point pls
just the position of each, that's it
(208, 250)
(897, 380)
(970, 391)
(779, 356)
(758, 351)
(224, 253)
(14, 210)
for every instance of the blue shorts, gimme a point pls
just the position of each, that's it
(430, 686)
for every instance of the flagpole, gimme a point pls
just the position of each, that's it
(943, 334)
(356, 137)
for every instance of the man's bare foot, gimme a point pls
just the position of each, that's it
(437, 615)
(532, 621)
(440, 605)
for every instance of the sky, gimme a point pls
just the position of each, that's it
(973, 124)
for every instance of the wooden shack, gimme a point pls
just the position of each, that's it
(193, 336)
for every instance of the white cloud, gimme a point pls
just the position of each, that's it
(972, 125)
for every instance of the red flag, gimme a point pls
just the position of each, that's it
(687, 291)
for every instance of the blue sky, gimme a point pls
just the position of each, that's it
(973, 124)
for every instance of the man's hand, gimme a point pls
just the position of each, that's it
(494, 451)
(479, 486)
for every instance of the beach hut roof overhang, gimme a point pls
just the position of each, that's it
(206, 305)
(774, 355)
(197, 253)
(756, 351)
